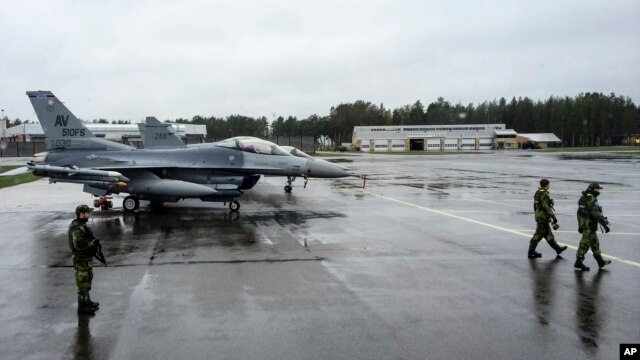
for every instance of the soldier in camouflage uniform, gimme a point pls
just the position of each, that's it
(83, 247)
(589, 216)
(543, 207)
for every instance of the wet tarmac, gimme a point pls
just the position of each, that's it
(429, 261)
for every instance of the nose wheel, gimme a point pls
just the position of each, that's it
(131, 203)
(288, 187)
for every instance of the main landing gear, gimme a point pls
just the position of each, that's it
(234, 206)
(131, 203)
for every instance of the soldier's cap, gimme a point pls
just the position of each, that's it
(594, 186)
(83, 209)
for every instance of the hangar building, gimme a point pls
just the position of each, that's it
(433, 137)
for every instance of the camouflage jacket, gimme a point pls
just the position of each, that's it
(80, 237)
(590, 212)
(543, 206)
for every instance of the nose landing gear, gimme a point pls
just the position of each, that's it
(290, 179)
(288, 188)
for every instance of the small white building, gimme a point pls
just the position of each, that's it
(430, 137)
(542, 140)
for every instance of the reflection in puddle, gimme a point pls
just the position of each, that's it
(597, 157)
(83, 347)
(588, 317)
(543, 287)
(185, 231)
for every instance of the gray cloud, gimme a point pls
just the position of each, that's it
(127, 60)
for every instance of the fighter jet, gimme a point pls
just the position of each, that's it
(158, 135)
(210, 173)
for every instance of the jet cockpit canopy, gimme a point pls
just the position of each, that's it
(295, 151)
(253, 145)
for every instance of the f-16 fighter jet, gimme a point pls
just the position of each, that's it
(211, 173)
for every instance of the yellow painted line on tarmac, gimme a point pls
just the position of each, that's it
(482, 223)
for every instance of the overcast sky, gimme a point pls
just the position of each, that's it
(131, 59)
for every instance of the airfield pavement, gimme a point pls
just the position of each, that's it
(427, 262)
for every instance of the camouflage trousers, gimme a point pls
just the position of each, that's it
(543, 231)
(589, 241)
(84, 275)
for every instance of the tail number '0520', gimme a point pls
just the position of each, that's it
(61, 143)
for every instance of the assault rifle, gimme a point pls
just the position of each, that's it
(98, 253)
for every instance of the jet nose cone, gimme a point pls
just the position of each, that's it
(323, 169)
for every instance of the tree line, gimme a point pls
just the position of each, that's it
(584, 120)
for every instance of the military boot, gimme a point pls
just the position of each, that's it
(534, 255)
(94, 305)
(86, 309)
(559, 249)
(580, 265)
(603, 263)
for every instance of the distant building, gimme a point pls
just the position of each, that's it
(542, 140)
(122, 133)
(433, 137)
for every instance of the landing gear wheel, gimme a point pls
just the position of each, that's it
(288, 187)
(131, 203)
(234, 206)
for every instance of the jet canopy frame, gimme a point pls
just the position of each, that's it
(253, 145)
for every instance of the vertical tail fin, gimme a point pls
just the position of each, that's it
(61, 128)
(158, 135)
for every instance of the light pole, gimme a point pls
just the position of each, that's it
(3, 126)
(562, 129)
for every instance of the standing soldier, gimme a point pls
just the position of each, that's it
(83, 246)
(589, 216)
(543, 207)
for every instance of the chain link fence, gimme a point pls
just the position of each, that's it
(21, 149)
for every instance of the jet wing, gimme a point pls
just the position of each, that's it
(17, 171)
